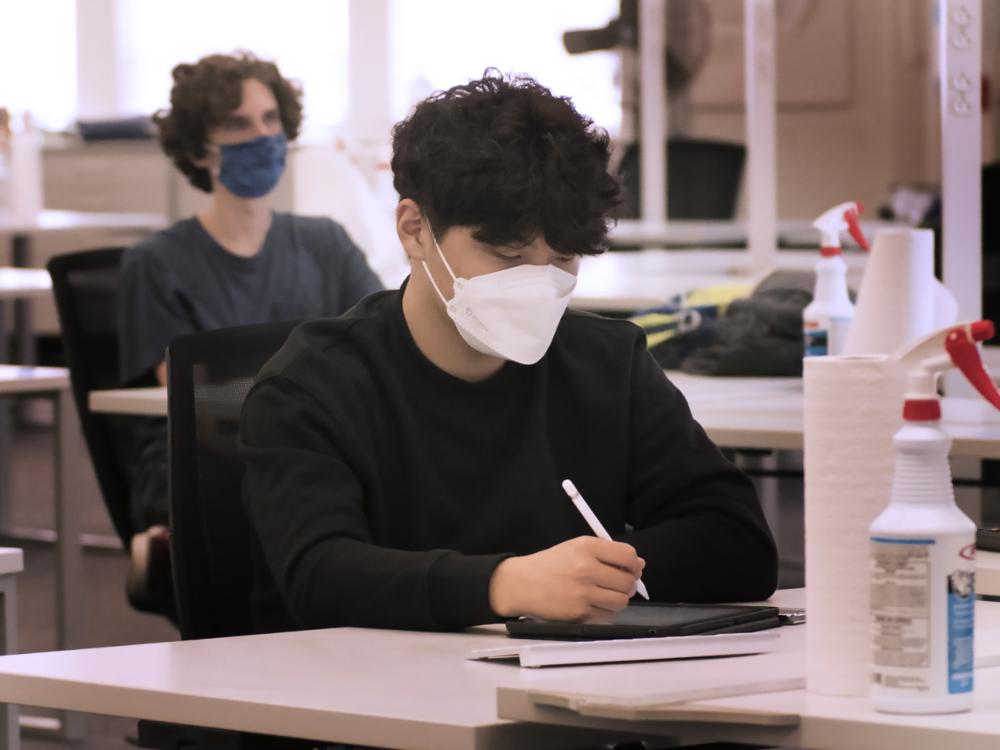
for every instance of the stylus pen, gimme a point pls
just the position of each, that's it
(595, 525)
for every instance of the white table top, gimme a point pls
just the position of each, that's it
(381, 688)
(767, 413)
(735, 412)
(987, 573)
(405, 689)
(769, 717)
(629, 281)
(11, 560)
(63, 221)
(21, 379)
(21, 283)
(798, 232)
(146, 402)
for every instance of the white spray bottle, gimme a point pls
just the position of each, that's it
(826, 319)
(923, 547)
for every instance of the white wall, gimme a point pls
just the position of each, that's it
(836, 147)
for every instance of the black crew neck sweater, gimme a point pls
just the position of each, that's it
(384, 492)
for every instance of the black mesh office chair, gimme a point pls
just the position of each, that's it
(209, 375)
(703, 179)
(84, 285)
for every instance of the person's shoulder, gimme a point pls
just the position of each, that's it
(160, 250)
(320, 349)
(162, 246)
(320, 236)
(321, 227)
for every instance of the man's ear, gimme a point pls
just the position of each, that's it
(412, 229)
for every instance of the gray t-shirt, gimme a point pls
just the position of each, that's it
(181, 280)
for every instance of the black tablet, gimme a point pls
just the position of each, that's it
(650, 620)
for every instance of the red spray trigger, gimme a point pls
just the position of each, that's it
(961, 346)
(851, 217)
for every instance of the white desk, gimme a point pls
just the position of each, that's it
(788, 718)
(988, 573)
(24, 283)
(767, 413)
(22, 229)
(380, 688)
(623, 282)
(688, 233)
(11, 563)
(72, 221)
(54, 382)
(15, 284)
(400, 689)
(761, 413)
(142, 402)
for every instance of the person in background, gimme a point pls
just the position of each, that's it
(404, 461)
(237, 262)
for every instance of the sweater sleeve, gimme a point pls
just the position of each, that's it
(307, 507)
(152, 312)
(697, 520)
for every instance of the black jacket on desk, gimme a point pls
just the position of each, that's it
(384, 491)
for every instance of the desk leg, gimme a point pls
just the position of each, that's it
(68, 550)
(10, 736)
(20, 255)
(5, 442)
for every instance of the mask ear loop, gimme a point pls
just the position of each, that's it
(444, 260)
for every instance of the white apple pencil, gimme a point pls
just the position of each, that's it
(595, 524)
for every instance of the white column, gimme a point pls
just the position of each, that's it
(97, 69)
(652, 110)
(368, 112)
(960, 56)
(760, 85)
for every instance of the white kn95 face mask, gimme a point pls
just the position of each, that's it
(511, 314)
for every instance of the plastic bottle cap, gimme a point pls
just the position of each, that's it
(922, 410)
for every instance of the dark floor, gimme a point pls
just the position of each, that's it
(110, 621)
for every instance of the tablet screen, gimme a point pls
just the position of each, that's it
(642, 620)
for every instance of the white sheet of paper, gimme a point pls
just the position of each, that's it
(563, 653)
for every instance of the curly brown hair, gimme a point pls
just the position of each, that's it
(208, 91)
(506, 156)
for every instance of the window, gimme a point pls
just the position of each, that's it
(440, 43)
(38, 60)
(307, 39)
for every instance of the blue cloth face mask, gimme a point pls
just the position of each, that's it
(251, 169)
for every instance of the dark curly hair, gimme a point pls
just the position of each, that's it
(504, 155)
(207, 92)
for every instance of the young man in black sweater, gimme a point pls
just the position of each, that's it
(404, 461)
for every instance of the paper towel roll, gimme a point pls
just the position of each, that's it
(900, 300)
(852, 408)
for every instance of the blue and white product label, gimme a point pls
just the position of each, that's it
(961, 618)
(901, 613)
(815, 338)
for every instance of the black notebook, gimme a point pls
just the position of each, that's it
(650, 620)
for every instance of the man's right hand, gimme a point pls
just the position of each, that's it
(585, 579)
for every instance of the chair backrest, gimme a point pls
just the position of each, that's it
(703, 179)
(209, 375)
(85, 286)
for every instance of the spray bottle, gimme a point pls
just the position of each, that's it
(826, 319)
(923, 547)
